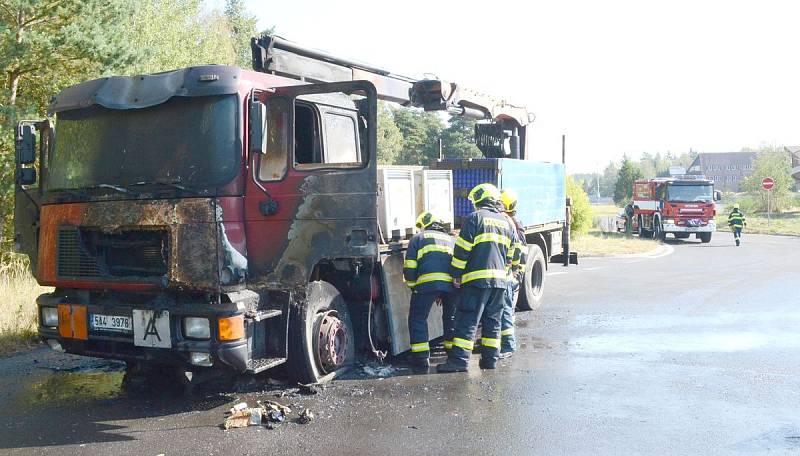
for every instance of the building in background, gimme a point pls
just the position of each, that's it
(794, 151)
(726, 169)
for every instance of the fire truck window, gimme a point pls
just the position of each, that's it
(306, 135)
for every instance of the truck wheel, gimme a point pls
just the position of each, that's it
(705, 238)
(321, 336)
(658, 232)
(643, 233)
(531, 290)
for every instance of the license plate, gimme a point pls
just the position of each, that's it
(111, 323)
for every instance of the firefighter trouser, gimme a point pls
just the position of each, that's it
(421, 304)
(737, 234)
(509, 342)
(484, 305)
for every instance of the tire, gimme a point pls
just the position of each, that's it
(324, 313)
(705, 238)
(658, 232)
(643, 233)
(531, 289)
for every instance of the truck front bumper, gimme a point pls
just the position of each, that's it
(165, 342)
(673, 228)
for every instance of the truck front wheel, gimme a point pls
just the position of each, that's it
(321, 336)
(531, 289)
(705, 238)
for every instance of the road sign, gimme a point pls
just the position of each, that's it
(767, 183)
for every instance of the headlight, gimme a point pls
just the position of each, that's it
(196, 328)
(49, 316)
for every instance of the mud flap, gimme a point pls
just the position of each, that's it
(397, 301)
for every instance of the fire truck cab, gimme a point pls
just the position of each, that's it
(680, 205)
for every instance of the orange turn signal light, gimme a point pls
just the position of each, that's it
(73, 322)
(231, 328)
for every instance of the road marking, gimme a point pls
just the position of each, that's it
(556, 273)
(592, 269)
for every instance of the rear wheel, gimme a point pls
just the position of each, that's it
(643, 233)
(705, 238)
(531, 289)
(321, 336)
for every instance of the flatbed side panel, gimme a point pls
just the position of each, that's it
(541, 189)
(397, 299)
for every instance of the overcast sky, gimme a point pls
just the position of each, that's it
(617, 77)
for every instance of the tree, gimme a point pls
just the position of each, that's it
(242, 26)
(458, 139)
(623, 189)
(174, 34)
(582, 214)
(50, 43)
(774, 162)
(608, 182)
(420, 130)
(390, 139)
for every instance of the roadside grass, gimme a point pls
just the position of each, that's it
(19, 290)
(787, 223)
(605, 210)
(597, 243)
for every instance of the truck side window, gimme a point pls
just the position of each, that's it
(306, 135)
(340, 136)
(273, 163)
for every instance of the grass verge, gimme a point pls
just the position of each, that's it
(787, 223)
(19, 290)
(597, 243)
(605, 210)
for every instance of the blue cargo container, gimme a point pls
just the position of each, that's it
(540, 186)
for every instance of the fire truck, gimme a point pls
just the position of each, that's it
(680, 205)
(214, 218)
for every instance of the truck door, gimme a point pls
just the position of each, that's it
(312, 193)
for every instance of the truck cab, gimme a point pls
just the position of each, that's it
(677, 205)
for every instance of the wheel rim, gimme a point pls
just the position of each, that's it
(331, 341)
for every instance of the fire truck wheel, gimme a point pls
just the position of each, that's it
(643, 233)
(321, 336)
(658, 232)
(705, 238)
(531, 289)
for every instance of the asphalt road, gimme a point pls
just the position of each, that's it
(695, 352)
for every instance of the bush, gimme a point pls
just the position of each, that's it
(582, 213)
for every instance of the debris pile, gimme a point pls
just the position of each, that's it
(268, 413)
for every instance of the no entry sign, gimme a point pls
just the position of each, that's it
(767, 183)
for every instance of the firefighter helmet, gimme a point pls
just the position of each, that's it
(736, 206)
(426, 219)
(509, 199)
(483, 192)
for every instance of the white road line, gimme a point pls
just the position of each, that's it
(592, 269)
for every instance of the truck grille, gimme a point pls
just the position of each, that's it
(129, 255)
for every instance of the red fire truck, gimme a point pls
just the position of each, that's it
(681, 205)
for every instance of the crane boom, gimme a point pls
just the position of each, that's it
(273, 54)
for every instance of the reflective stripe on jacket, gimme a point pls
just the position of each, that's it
(427, 263)
(736, 219)
(484, 250)
(519, 244)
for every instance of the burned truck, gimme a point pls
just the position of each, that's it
(217, 218)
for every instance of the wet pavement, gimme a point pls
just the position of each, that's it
(697, 352)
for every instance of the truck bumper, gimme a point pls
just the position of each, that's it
(167, 342)
(708, 228)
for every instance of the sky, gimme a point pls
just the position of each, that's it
(616, 77)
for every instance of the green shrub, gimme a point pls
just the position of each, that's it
(582, 213)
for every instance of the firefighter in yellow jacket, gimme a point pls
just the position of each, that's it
(481, 258)
(427, 271)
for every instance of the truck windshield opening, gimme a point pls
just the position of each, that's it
(186, 140)
(690, 193)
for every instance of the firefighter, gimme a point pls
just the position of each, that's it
(481, 257)
(508, 344)
(737, 222)
(427, 271)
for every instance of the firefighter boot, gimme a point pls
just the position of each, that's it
(449, 367)
(419, 364)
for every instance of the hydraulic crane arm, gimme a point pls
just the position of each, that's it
(273, 54)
